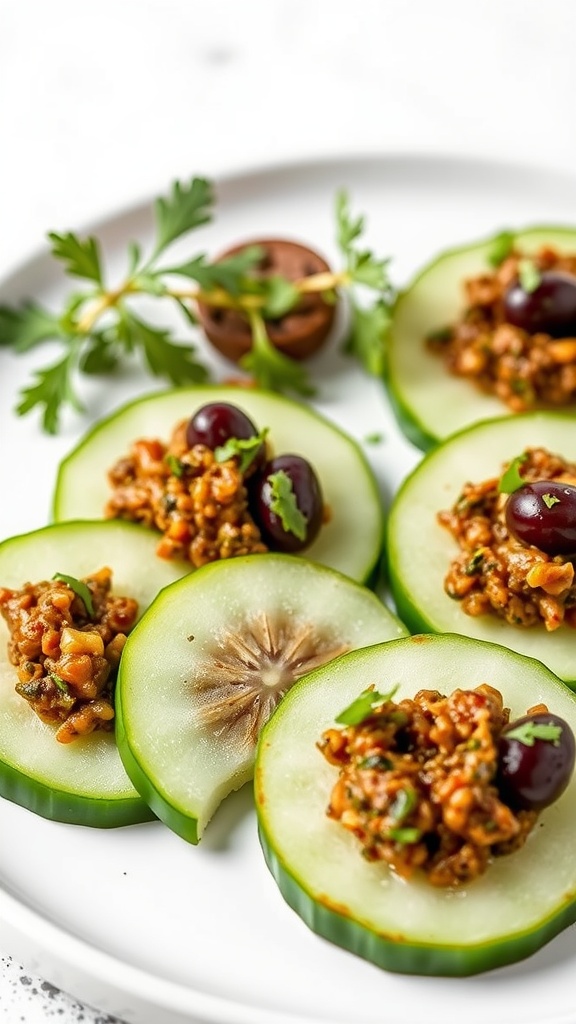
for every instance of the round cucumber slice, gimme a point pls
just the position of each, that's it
(351, 542)
(411, 927)
(83, 782)
(430, 404)
(419, 550)
(218, 650)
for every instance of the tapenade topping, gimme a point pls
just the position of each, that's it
(442, 784)
(212, 492)
(66, 638)
(516, 557)
(517, 336)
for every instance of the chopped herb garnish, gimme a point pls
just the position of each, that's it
(528, 732)
(361, 708)
(175, 465)
(550, 500)
(404, 802)
(404, 835)
(62, 686)
(511, 479)
(501, 248)
(475, 564)
(283, 503)
(376, 761)
(244, 449)
(79, 588)
(528, 275)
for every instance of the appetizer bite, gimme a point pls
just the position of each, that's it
(222, 472)
(481, 537)
(427, 830)
(63, 626)
(483, 329)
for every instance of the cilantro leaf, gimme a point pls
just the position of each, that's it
(501, 247)
(528, 732)
(175, 465)
(361, 708)
(245, 449)
(80, 589)
(405, 836)
(100, 354)
(271, 368)
(404, 802)
(26, 326)
(164, 357)
(550, 500)
(284, 504)
(348, 228)
(186, 207)
(52, 389)
(511, 478)
(81, 256)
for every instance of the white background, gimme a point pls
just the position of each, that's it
(104, 102)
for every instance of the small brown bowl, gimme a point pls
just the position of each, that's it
(299, 333)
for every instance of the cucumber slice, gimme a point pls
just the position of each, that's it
(429, 403)
(232, 635)
(83, 782)
(521, 902)
(419, 550)
(351, 542)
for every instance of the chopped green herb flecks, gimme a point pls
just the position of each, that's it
(528, 732)
(361, 708)
(512, 479)
(404, 802)
(175, 465)
(79, 588)
(550, 500)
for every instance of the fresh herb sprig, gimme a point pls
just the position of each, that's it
(99, 326)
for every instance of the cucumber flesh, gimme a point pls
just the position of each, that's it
(350, 542)
(419, 550)
(430, 403)
(235, 631)
(522, 901)
(83, 782)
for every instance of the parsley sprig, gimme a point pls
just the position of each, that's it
(100, 325)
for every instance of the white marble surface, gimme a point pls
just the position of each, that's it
(103, 102)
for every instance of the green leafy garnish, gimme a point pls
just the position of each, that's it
(369, 322)
(244, 449)
(283, 503)
(79, 588)
(99, 329)
(528, 732)
(501, 247)
(404, 835)
(550, 500)
(175, 465)
(62, 686)
(511, 478)
(271, 368)
(376, 761)
(361, 708)
(528, 275)
(404, 802)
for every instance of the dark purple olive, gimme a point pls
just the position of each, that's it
(544, 514)
(550, 307)
(304, 488)
(533, 771)
(215, 423)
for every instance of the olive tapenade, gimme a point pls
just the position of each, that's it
(517, 336)
(420, 780)
(66, 639)
(498, 573)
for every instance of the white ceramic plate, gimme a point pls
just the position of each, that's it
(135, 920)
